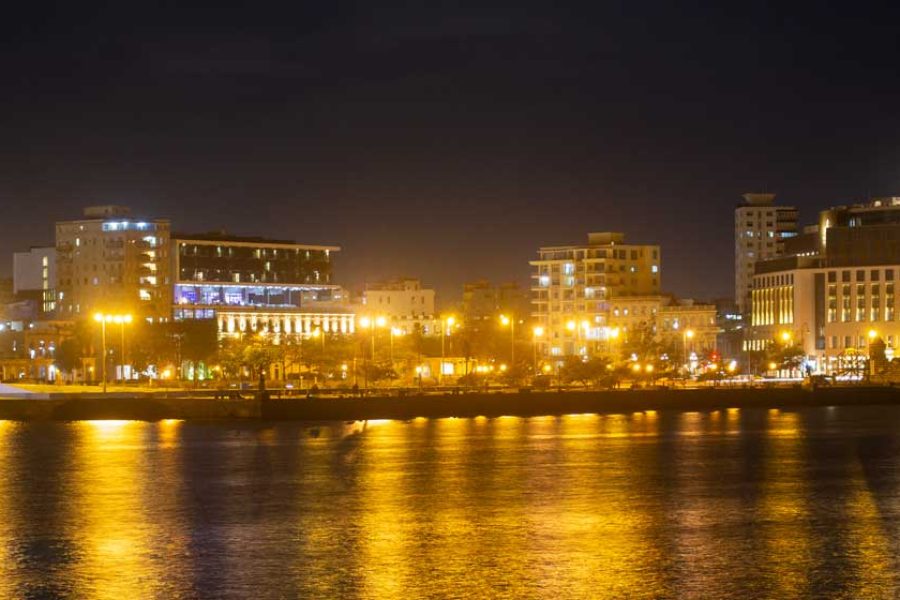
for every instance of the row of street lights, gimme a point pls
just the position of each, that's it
(118, 319)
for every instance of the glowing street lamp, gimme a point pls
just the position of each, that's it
(103, 319)
(511, 323)
(446, 329)
(536, 333)
(688, 335)
(395, 332)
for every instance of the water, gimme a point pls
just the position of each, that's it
(693, 505)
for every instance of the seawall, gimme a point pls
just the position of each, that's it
(150, 407)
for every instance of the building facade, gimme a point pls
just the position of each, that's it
(760, 231)
(257, 285)
(576, 284)
(110, 261)
(405, 304)
(836, 300)
(34, 275)
(484, 301)
(681, 324)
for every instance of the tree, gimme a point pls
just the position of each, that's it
(259, 355)
(197, 340)
(375, 372)
(595, 371)
(69, 355)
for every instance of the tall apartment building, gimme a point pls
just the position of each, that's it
(484, 301)
(109, 261)
(837, 291)
(760, 230)
(34, 276)
(577, 282)
(404, 302)
(257, 285)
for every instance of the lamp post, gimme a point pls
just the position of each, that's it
(871, 336)
(370, 324)
(511, 322)
(446, 327)
(395, 332)
(688, 335)
(103, 319)
(537, 333)
(122, 320)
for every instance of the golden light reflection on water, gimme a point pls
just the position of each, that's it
(112, 536)
(6, 467)
(784, 507)
(641, 504)
(871, 545)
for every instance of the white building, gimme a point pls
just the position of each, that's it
(404, 303)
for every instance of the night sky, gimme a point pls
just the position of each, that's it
(448, 140)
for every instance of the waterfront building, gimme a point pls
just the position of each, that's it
(484, 301)
(258, 285)
(109, 260)
(760, 230)
(682, 324)
(407, 306)
(835, 295)
(576, 284)
(34, 277)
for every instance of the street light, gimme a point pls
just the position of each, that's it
(446, 328)
(537, 332)
(395, 331)
(103, 319)
(688, 335)
(511, 323)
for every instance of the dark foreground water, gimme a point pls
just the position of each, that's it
(692, 505)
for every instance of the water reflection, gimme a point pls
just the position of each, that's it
(730, 503)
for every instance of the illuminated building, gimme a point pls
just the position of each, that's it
(110, 260)
(839, 286)
(667, 317)
(483, 301)
(34, 275)
(760, 230)
(404, 302)
(575, 285)
(257, 285)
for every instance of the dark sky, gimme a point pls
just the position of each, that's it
(448, 140)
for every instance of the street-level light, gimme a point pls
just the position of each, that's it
(537, 332)
(446, 329)
(510, 321)
(103, 319)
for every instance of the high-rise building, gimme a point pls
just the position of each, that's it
(34, 275)
(109, 260)
(576, 283)
(484, 301)
(257, 285)
(760, 229)
(837, 292)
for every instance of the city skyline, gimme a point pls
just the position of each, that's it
(476, 135)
